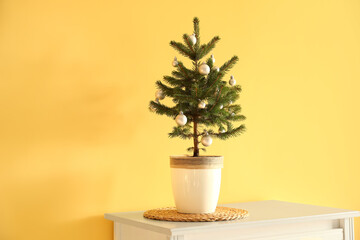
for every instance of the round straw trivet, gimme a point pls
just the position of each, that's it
(221, 214)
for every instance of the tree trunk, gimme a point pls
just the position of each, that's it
(196, 141)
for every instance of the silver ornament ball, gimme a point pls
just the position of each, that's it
(216, 68)
(159, 95)
(221, 130)
(206, 140)
(221, 106)
(192, 39)
(202, 105)
(212, 58)
(181, 119)
(175, 62)
(232, 81)
(204, 69)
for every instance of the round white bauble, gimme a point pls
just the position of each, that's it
(202, 105)
(221, 106)
(232, 81)
(175, 62)
(206, 140)
(221, 130)
(192, 39)
(181, 119)
(159, 95)
(204, 69)
(216, 68)
(212, 58)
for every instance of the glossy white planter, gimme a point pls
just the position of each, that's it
(196, 184)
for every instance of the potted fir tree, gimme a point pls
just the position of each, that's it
(204, 107)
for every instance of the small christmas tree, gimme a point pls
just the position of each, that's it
(200, 95)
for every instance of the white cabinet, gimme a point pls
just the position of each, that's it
(268, 220)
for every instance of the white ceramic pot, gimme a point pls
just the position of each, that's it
(196, 183)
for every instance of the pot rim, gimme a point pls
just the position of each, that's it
(201, 156)
(200, 162)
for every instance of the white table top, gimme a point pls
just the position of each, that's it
(261, 212)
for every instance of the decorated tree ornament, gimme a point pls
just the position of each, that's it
(204, 69)
(159, 94)
(181, 119)
(230, 102)
(212, 58)
(186, 87)
(175, 62)
(202, 105)
(192, 39)
(232, 81)
(152, 108)
(221, 130)
(206, 140)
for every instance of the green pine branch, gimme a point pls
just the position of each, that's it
(168, 91)
(182, 49)
(190, 46)
(190, 149)
(229, 134)
(196, 28)
(182, 132)
(206, 48)
(177, 74)
(186, 73)
(173, 81)
(161, 109)
(197, 33)
(229, 64)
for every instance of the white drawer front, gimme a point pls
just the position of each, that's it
(334, 234)
(324, 230)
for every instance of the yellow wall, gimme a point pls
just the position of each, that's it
(77, 140)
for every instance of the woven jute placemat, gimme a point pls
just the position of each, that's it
(221, 214)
